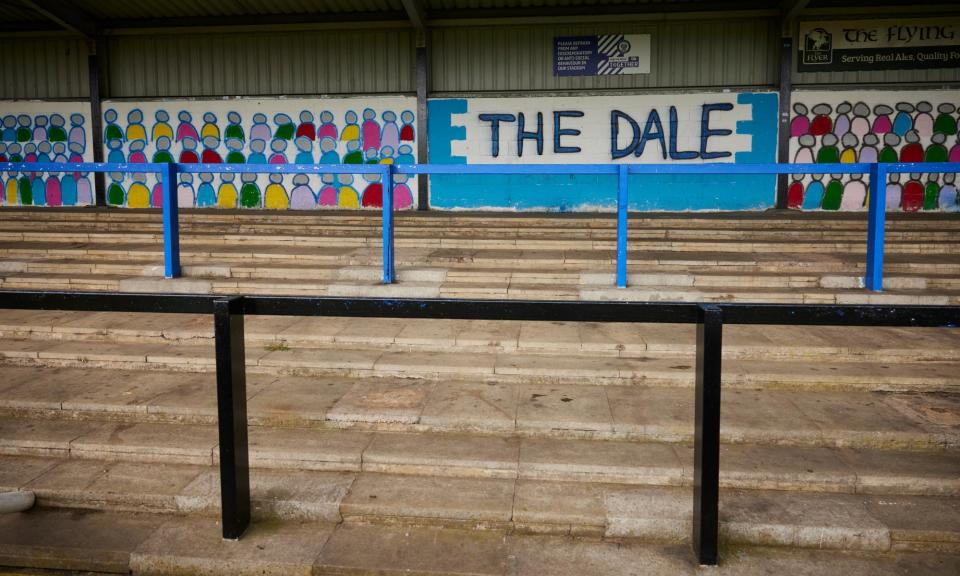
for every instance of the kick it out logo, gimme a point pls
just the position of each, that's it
(818, 47)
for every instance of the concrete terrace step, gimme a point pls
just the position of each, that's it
(79, 452)
(506, 367)
(652, 513)
(523, 289)
(414, 230)
(697, 242)
(154, 544)
(778, 275)
(830, 344)
(879, 421)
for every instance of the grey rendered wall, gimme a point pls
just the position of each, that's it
(685, 54)
(48, 67)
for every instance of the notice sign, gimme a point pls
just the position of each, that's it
(601, 55)
(904, 43)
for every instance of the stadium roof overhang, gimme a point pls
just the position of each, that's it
(90, 17)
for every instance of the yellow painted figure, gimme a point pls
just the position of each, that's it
(227, 195)
(136, 132)
(162, 129)
(348, 198)
(12, 192)
(275, 197)
(138, 196)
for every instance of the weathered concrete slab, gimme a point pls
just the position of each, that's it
(275, 494)
(364, 550)
(40, 437)
(195, 546)
(443, 455)
(904, 473)
(652, 513)
(560, 507)
(431, 499)
(72, 540)
(579, 410)
(296, 399)
(382, 401)
(803, 520)
(846, 418)
(779, 468)
(919, 523)
(613, 462)
(147, 442)
(466, 406)
(116, 486)
(538, 555)
(16, 472)
(306, 449)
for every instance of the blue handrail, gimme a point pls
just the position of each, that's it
(171, 235)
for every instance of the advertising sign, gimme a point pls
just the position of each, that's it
(904, 43)
(601, 55)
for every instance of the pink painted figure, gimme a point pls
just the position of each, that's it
(156, 195)
(805, 153)
(137, 155)
(800, 124)
(860, 125)
(279, 155)
(327, 128)
(328, 193)
(185, 129)
(954, 155)
(402, 196)
(854, 194)
(370, 130)
(54, 196)
(923, 122)
(882, 123)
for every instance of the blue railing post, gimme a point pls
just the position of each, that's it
(171, 222)
(622, 197)
(387, 177)
(877, 215)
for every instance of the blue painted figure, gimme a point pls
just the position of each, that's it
(206, 195)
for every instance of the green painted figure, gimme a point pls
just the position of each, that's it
(931, 195)
(833, 195)
(828, 153)
(945, 123)
(26, 192)
(249, 192)
(115, 194)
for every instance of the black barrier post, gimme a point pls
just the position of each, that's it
(706, 448)
(232, 416)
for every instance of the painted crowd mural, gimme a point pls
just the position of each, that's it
(879, 126)
(677, 128)
(45, 132)
(262, 131)
(731, 127)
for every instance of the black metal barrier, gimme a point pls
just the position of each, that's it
(231, 380)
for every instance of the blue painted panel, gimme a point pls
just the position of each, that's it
(668, 192)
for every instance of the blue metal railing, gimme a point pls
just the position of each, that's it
(167, 172)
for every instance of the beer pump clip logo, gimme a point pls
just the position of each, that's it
(818, 47)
